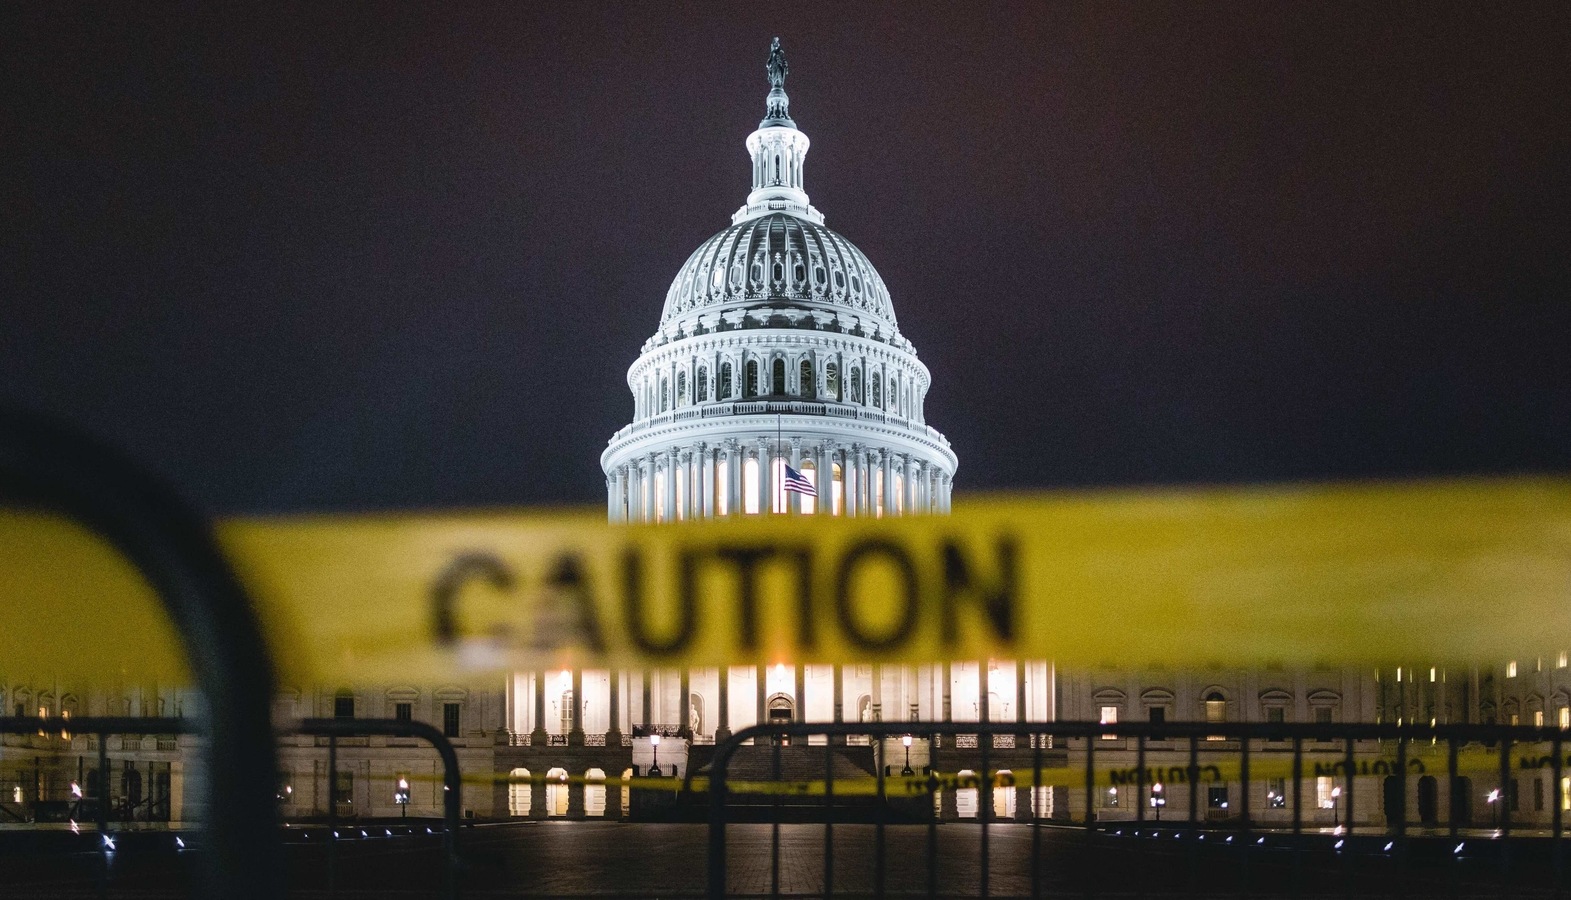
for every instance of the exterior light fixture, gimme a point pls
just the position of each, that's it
(401, 797)
(907, 770)
(1336, 796)
(654, 744)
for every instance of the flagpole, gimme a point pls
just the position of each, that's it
(779, 449)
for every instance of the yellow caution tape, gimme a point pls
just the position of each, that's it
(1223, 771)
(1456, 570)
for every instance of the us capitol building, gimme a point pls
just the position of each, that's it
(778, 346)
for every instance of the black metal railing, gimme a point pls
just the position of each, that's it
(1229, 835)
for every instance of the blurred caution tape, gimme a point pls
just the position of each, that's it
(1476, 569)
(1218, 771)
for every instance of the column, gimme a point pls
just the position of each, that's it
(889, 483)
(684, 505)
(1020, 690)
(723, 722)
(575, 733)
(794, 500)
(635, 508)
(840, 701)
(613, 735)
(684, 695)
(733, 477)
(761, 686)
(877, 695)
(824, 479)
(799, 691)
(537, 734)
(648, 703)
(765, 464)
(668, 505)
(610, 497)
(853, 480)
(706, 474)
(909, 494)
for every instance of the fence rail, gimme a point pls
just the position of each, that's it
(1191, 756)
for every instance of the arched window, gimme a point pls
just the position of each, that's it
(723, 391)
(779, 271)
(778, 387)
(703, 384)
(809, 386)
(519, 793)
(831, 381)
(665, 394)
(750, 387)
(681, 389)
(878, 392)
(856, 385)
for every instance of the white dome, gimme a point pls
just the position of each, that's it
(777, 352)
(779, 260)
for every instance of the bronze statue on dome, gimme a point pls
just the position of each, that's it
(776, 66)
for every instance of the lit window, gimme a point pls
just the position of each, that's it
(1109, 716)
(1276, 793)
(1216, 709)
(1516, 719)
(1110, 798)
(1538, 718)
(1564, 716)
(1216, 797)
(1324, 788)
(1560, 661)
(1431, 674)
(1511, 669)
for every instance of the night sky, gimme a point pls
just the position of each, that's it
(402, 256)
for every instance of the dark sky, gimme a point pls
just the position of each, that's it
(403, 255)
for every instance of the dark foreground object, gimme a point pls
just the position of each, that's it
(578, 859)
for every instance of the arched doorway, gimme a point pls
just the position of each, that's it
(1004, 797)
(1462, 800)
(594, 792)
(627, 793)
(520, 793)
(1395, 791)
(1428, 800)
(780, 709)
(556, 792)
(966, 797)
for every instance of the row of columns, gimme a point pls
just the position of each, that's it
(575, 735)
(662, 390)
(868, 484)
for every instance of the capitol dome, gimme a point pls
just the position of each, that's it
(777, 380)
(779, 259)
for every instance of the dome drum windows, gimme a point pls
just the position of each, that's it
(750, 385)
(724, 390)
(778, 379)
(681, 389)
(831, 381)
(809, 385)
(856, 384)
(703, 384)
(878, 392)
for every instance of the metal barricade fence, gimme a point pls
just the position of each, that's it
(1228, 835)
(93, 792)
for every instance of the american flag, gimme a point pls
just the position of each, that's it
(794, 481)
